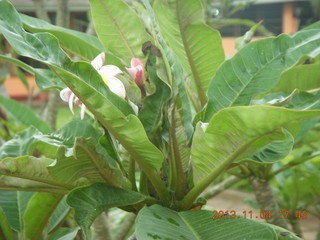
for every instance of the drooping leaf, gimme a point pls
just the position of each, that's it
(46, 79)
(87, 46)
(276, 99)
(86, 165)
(274, 151)
(23, 78)
(197, 46)
(29, 173)
(58, 215)
(86, 83)
(19, 145)
(304, 77)
(13, 204)
(17, 62)
(23, 115)
(119, 28)
(237, 131)
(256, 68)
(38, 212)
(89, 202)
(198, 225)
(151, 113)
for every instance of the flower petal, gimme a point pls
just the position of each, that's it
(98, 61)
(132, 71)
(71, 102)
(136, 62)
(110, 70)
(83, 110)
(117, 87)
(65, 94)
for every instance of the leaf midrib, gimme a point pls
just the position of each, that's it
(124, 39)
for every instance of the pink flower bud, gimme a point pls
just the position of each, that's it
(137, 71)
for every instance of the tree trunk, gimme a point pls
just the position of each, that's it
(296, 226)
(267, 201)
(41, 11)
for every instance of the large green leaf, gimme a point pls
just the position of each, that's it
(14, 204)
(29, 173)
(274, 151)
(19, 145)
(89, 202)
(199, 225)
(38, 212)
(304, 77)
(17, 62)
(71, 169)
(197, 46)
(87, 47)
(257, 67)
(119, 28)
(234, 133)
(86, 83)
(65, 234)
(23, 115)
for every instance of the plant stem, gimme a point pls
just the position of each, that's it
(132, 174)
(143, 188)
(125, 227)
(295, 226)
(225, 184)
(180, 185)
(267, 201)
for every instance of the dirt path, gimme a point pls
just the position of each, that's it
(234, 200)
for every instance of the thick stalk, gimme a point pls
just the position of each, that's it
(267, 201)
(295, 224)
(180, 185)
(132, 174)
(101, 227)
(318, 234)
(125, 227)
(225, 184)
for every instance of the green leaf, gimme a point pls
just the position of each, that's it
(237, 131)
(274, 151)
(19, 63)
(64, 234)
(47, 79)
(58, 215)
(87, 47)
(304, 77)
(5, 230)
(89, 202)
(119, 28)
(110, 109)
(197, 46)
(13, 204)
(23, 115)
(19, 145)
(70, 169)
(23, 78)
(198, 225)
(151, 112)
(38, 212)
(256, 68)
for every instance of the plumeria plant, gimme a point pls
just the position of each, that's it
(166, 116)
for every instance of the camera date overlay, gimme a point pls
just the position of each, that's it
(258, 215)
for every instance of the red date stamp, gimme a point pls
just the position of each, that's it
(258, 215)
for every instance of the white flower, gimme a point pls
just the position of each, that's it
(108, 73)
